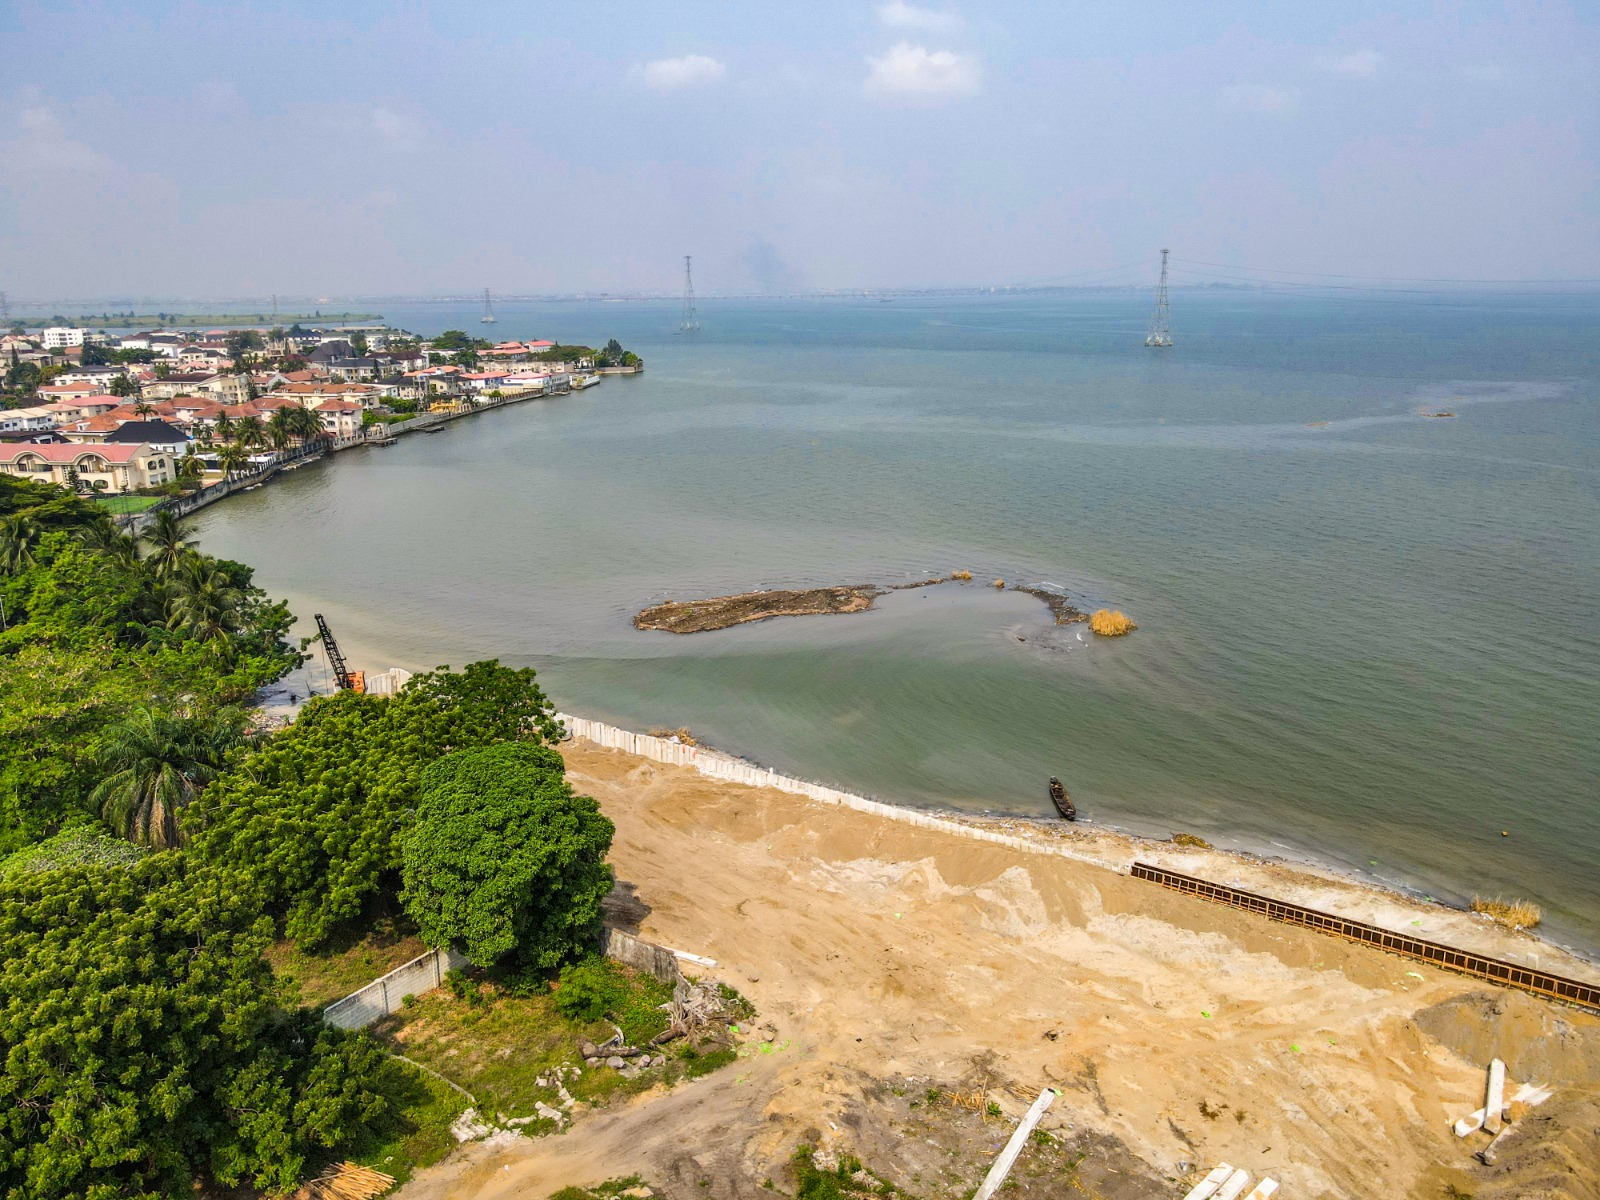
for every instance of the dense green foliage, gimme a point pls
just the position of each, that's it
(314, 816)
(141, 1046)
(596, 987)
(94, 631)
(145, 1047)
(80, 845)
(505, 859)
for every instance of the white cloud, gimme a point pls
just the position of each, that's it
(1255, 97)
(394, 128)
(897, 14)
(692, 70)
(43, 146)
(1363, 63)
(916, 73)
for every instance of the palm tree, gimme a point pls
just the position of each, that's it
(171, 542)
(232, 458)
(144, 408)
(190, 467)
(104, 537)
(203, 601)
(155, 764)
(19, 536)
(223, 427)
(303, 423)
(247, 431)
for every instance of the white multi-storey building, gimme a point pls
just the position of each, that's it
(59, 337)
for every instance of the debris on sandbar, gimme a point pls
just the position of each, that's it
(1111, 622)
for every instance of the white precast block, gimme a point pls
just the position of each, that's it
(1263, 1190)
(1237, 1182)
(1208, 1186)
(1019, 1139)
(1495, 1102)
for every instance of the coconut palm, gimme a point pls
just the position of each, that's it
(247, 431)
(19, 537)
(171, 542)
(302, 422)
(223, 427)
(232, 458)
(202, 601)
(154, 764)
(104, 538)
(144, 408)
(190, 467)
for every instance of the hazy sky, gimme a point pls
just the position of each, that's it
(216, 150)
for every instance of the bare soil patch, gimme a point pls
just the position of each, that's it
(892, 959)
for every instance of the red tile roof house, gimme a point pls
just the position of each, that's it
(121, 468)
(340, 417)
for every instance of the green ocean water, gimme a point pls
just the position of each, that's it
(1366, 636)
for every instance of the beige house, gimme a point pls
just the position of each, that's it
(122, 468)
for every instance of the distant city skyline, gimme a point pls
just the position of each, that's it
(178, 150)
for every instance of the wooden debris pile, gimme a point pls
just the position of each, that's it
(346, 1181)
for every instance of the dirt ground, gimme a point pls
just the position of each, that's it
(894, 959)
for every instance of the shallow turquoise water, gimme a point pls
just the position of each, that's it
(1366, 635)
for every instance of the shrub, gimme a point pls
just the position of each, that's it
(597, 987)
(1518, 914)
(1109, 622)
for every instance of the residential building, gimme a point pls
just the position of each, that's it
(179, 383)
(158, 435)
(340, 418)
(28, 420)
(100, 376)
(122, 468)
(59, 337)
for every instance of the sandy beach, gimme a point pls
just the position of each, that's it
(891, 959)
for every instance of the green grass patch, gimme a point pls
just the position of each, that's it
(608, 1190)
(123, 505)
(82, 845)
(496, 1039)
(342, 967)
(839, 1183)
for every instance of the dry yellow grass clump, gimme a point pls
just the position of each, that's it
(960, 574)
(999, 583)
(1108, 622)
(1189, 839)
(681, 733)
(1518, 914)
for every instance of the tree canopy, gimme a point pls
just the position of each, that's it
(314, 816)
(503, 860)
(140, 1045)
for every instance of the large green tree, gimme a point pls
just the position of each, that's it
(504, 860)
(141, 1047)
(314, 816)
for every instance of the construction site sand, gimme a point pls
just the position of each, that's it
(885, 952)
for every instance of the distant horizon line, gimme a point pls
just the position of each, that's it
(259, 305)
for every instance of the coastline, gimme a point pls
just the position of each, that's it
(1283, 873)
(897, 963)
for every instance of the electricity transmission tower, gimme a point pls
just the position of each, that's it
(1161, 324)
(5, 307)
(690, 322)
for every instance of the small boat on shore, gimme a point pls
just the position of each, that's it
(1065, 809)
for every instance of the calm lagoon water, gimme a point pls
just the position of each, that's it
(1366, 636)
